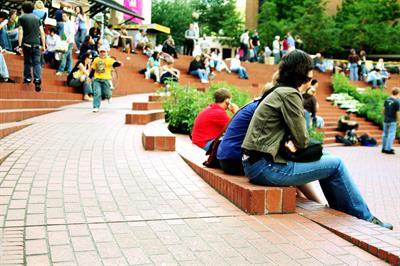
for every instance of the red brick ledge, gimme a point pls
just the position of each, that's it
(250, 198)
(156, 136)
(380, 242)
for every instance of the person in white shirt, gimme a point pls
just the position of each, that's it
(141, 39)
(276, 50)
(69, 32)
(52, 41)
(111, 35)
(217, 62)
(237, 68)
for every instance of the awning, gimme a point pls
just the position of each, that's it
(149, 27)
(97, 6)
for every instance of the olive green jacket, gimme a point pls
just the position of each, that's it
(279, 112)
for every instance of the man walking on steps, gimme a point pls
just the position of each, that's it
(31, 42)
(391, 120)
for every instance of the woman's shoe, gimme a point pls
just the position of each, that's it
(380, 223)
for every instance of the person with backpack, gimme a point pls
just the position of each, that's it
(391, 120)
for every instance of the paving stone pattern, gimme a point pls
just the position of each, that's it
(79, 189)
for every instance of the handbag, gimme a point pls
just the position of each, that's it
(312, 153)
(212, 161)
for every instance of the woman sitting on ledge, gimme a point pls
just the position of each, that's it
(280, 113)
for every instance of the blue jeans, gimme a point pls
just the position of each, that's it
(241, 71)
(307, 116)
(277, 58)
(388, 136)
(101, 88)
(4, 40)
(200, 73)
(376, 82)
(80, 37)
(3, 68)
(85, 85)
(66, 60)
(335, 180)
(32, 59)
(353, 71)
(321, 67)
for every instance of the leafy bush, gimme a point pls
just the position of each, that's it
(316, 135)
(372, 99)
(185, 102)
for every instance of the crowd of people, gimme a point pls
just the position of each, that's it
(253, 139)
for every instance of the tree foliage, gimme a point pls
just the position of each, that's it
(220, 18)
(361, 24)
(175, 14)
(216, 16)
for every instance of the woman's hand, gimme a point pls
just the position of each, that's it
(290, 146)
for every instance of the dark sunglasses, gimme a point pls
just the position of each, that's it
(308, 79)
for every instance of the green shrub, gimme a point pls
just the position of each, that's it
(316, 135)
(185, 102)
(372, 99)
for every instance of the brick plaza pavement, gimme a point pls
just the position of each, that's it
(79, 189)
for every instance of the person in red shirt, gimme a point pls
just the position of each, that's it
(212, 119)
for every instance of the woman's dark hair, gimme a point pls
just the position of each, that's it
(12, 12)
(87, 38)
(294, 68)
(80, 10)
(27, 7)
(53, 29)
(154, 55)
(86, 55)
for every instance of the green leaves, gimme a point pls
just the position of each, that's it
(185, 102)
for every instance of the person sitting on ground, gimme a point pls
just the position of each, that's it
(52, 42)
(217, 62)
(237, 68)
(375, 78)
(141, 40)
(339, 68)
(12, 27)
(311, 107)
(383, 71)
(280, 113)
(345, 123)
(88, 45)
(212, 119)
(169, 47)
(127, 40)
(79, 76)
(111, 35)
(318, 62)
(197, 69)
(153, 67)
(4, 39)
(4, 75)
(95, 31)
(169, 73)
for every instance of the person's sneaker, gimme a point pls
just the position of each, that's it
(95, 110)
(204, 81)
(87, 98)
(110, 100)
(59, 73)
(37, 85)
(27, 81)
(9, 80)
(388, 151)
(380, 223)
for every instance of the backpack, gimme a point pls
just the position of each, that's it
(366, 140)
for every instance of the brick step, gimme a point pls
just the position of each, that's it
(45, 88)
(333, 126)
(9, 128)
(146, 105)
(156, 136)
(143, 117)
(31, 94)
(252, 199)
(31, 104)
(16, 115)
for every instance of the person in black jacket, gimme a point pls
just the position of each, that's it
(197, 69)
